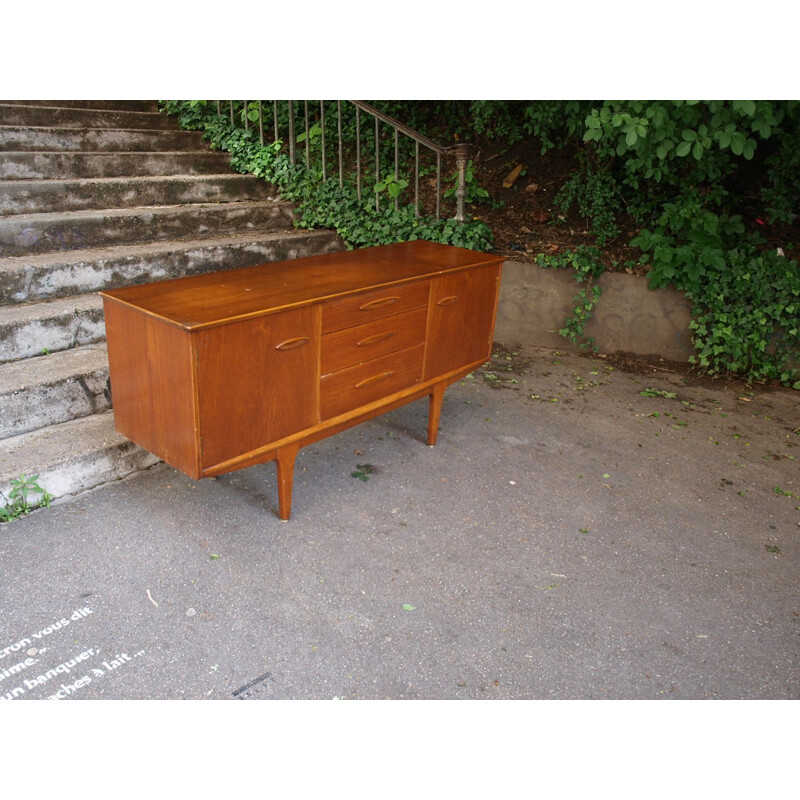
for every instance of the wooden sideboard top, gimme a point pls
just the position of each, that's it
(202, 301)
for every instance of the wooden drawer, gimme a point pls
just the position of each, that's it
(358, 386)
(361, 308)
(362, 343)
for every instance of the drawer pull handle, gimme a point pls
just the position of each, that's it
(373, 379)
(378, 337)
(379, 303)
(446, 301)
(290, 344)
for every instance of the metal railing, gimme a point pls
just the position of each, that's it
(251, 114)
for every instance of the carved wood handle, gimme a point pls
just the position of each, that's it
(379, 303)
(373, 379)
(290, 344)
(378, 337)
(446, 301)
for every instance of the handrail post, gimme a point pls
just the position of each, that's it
(341, 152)
(462, 152)
(358, 152)
(308, 137)
(396, 164)
(438, 184)
(377, 164)
(322, 123)
(416, 179)
(291, 131)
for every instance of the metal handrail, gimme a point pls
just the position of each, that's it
(460, 151)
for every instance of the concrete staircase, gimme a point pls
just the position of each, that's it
(97, 194)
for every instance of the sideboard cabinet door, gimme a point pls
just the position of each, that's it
(461, 320)
(257, 382)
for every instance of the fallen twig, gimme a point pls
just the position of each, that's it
(653, 366)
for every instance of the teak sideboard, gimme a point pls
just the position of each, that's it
(221, 371)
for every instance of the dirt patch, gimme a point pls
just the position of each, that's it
(632, 363)
(510, 363)
(523, 216)
(505, 367)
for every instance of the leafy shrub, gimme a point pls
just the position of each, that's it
(678, 168)
(597, 198)
(746, 316)
(681, 170)
(742, 321)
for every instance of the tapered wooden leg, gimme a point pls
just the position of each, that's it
(285, 463)
(434, 412)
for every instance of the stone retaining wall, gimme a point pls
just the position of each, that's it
(535, 302)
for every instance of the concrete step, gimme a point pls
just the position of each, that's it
(119, 105)
(27, 234)
(72, 456)
(58, 165)
(35, 197)
(30, 330)
(18, 138)
(73, 225)
(38, 392)
(41, 277)
(60, 117)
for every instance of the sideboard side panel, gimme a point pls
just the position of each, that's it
(151, 385)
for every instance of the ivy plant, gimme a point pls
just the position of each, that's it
(587, 265)
(682, 172)
(326, 204)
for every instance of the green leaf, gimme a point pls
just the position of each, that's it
(683, 149)
(748, 107)
(408, 607)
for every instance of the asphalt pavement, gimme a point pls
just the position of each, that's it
(580, 531)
